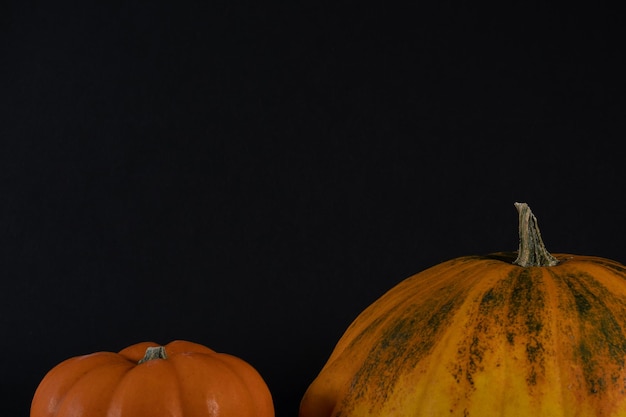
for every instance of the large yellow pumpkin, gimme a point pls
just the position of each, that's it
(180, 379)
(508, 334)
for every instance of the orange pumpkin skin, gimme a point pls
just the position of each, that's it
(193, 381)
(481, 336)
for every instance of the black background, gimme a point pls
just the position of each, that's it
(250, 177)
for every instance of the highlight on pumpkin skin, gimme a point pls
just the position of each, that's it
(179, 379)
(483, 336)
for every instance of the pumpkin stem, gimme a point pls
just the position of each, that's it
(156, 352)
(532, 251)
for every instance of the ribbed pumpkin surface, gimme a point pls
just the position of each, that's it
(480, 336)
(192, 381)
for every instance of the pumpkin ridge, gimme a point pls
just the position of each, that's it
(78, 387)
(601, 334)
(178, 377)
(614, 267)
(410, 335)
(130, 394)
(394, 299)
(201, 361)
(502, 320)
(528, 307)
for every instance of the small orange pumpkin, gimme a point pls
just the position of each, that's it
(509, 334)
(180, 379)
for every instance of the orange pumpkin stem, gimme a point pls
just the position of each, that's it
(532, 251)
(154, 352)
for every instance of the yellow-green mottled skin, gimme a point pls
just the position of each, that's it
(480, 336)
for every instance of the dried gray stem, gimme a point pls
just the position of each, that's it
(156, 352)
(532, 251)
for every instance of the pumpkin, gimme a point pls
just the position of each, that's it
(180, 379)
(519, 334)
